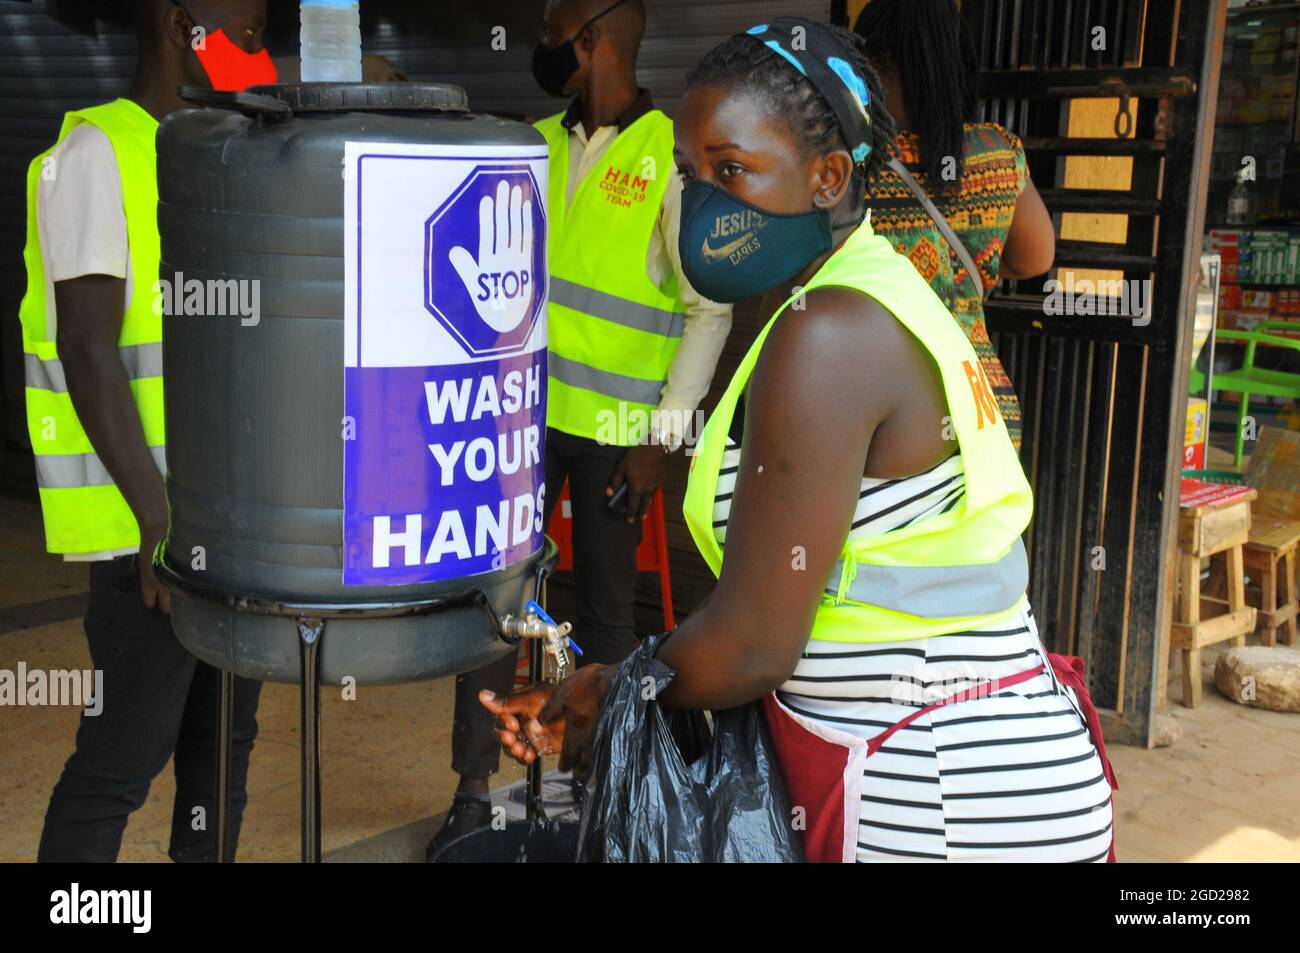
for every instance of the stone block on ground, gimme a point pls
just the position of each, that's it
(1262, 676)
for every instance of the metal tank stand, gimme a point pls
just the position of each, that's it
(310, 620)
(310, 631)
(536, 654)
(225, 728)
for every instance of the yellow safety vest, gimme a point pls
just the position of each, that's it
(84, 511)
(612, 331)
(959, 570)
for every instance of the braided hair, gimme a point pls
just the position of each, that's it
(741, 62)
(927, 44)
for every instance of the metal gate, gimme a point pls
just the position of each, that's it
(1104, 398)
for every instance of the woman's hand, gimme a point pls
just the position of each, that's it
(522, 735)
(545, 719)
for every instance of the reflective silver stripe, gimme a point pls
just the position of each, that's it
(618, 310)
(65, 471)
(941, 592)
(140, 360)
(618, 386)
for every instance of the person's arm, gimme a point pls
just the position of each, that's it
(1030, 245)
(86, 251)
(806, 441)
(90, 310)
(704, 333)
(805, 444)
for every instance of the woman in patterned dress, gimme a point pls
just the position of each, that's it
(974, 172)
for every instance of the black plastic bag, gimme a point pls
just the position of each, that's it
(665, 788)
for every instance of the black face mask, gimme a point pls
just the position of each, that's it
(554, 66)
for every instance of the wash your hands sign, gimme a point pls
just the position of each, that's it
(444, 360)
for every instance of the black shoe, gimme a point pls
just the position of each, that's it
(466, 814)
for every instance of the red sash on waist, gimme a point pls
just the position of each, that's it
(822, 766)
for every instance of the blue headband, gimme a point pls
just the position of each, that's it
(823, 59)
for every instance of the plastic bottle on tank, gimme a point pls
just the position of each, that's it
(331, 41)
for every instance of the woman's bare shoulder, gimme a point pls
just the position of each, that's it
(841, 344)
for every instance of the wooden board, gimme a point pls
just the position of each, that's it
(1215, 529)
(1274, 471)
(1230, 625)
(1271, 535)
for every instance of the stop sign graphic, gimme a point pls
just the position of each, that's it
(485, 260)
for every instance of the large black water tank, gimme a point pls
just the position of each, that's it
(255, 452)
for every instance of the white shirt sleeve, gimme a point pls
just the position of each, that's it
(80, 215)
(81, 220)
(705, 332)
(80, 211)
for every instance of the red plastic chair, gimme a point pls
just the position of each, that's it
(651, 555)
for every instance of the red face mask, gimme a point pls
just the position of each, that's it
(230, 68)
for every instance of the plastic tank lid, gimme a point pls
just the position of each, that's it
(352, 97)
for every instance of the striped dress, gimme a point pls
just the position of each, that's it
(1012, 776)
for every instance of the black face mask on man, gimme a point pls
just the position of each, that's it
(554, 66)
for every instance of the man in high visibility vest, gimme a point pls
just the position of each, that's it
(93, 357)
(632, 347)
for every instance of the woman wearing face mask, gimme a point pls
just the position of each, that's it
(858, 495)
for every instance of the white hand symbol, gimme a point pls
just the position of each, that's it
(501, 281)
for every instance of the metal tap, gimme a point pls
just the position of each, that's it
(536, 624)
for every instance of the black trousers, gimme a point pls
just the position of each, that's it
(604, 571)
(158, 700)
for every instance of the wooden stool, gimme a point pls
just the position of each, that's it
(1209, 529)
(1270, 558)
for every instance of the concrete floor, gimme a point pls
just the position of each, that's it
(1227, 790)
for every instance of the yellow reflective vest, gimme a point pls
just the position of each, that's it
(83, 509)
(612, 331)
(962, 569)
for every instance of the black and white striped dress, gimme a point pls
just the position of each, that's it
(1012, 776)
